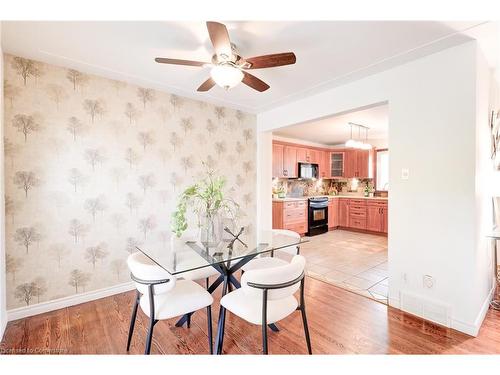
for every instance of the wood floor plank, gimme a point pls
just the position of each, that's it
(340, 322)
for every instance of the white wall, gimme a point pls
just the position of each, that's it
(433, 227)
(484, 172)
(3, 308)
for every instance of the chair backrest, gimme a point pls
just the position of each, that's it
(274, 276)
(145, 269)
(278, 234)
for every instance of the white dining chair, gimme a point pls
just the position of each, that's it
(272, 260)
(267, 296)
(161, 296)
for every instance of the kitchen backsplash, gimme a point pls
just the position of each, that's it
(299, 188)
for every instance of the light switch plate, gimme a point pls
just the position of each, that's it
(405, 173)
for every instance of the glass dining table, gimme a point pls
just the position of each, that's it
(228, 256)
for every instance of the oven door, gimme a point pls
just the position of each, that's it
(318, 216)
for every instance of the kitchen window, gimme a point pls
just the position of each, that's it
(382, 170)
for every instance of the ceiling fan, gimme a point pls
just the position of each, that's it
(228, 67)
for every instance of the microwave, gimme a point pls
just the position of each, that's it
(308, 170)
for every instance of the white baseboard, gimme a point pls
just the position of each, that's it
(473, 329)
(468, 328)
(43, 307)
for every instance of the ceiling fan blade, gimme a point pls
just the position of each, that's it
(220, 38)
(207, 85)
(270, 61)
(163, 60)
(254, 82)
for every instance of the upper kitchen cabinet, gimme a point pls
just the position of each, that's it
(290, 162)
(324, 164)
(308, 155)
(278, 170)
(346, 163)
(284, 161)
(336, 164)
(356, 163)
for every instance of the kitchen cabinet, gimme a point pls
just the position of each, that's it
(313, 156)
(347, 163)
(357, 213)
(291, 215)
(290, 161)
(278, 160)
(333, 213)
(343, 213)
(308, 155)
(362, 163)
(385, 221)
(377, 216)
(324, 164)
(336, 163)
(356, 163)
(374, 219)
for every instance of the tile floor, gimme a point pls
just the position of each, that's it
(353, 261)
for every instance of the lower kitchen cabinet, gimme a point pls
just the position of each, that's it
(344, 212)
(363, 214)
(348, 213)
(333, 213)
(291, 215)
(377, 216)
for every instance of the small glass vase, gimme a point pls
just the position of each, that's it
(211, 229)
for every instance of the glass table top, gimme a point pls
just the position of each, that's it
(178, 256)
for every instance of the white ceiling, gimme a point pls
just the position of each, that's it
(329, 53)
(335, 130)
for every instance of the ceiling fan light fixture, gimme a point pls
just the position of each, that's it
(226, 75)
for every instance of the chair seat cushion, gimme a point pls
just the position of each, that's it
(264, 262)
(250, 309)
(187, 296)
(200, 273)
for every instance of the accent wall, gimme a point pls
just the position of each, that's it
(93, 167)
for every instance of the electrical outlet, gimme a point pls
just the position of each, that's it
(428, 281)
(405, 174)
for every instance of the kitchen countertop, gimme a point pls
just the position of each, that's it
(290, 199)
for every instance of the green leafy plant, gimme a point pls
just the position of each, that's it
(207, 198)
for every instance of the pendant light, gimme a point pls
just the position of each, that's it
(351, 143)
(357, 143)
(366, 145)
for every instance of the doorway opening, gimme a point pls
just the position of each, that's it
(336, 170)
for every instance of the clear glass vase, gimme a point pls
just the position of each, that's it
(211, 229)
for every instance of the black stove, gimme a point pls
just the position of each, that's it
(317, 215)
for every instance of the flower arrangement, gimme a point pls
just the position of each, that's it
(206, 199)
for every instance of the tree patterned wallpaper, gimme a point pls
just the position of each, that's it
(93, 167)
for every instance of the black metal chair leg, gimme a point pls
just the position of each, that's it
(132, 320)
(189, 320)
(182, 320)
(306, 329)
(207, 281)
(149, 337)
(274, 327)
(304, 317)
(264, 321)
(209, 322)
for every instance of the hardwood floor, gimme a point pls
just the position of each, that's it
(340, 322)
